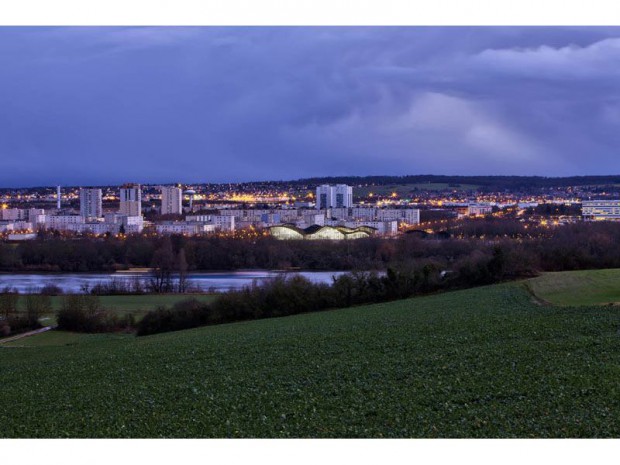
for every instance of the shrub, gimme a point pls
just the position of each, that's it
(9, 299)
(188, 313)
(5, 329)
(116, 286)
(83, 313)
(37, 305)
(16, 325)
(51, 290)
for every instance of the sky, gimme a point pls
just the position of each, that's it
(107, 105)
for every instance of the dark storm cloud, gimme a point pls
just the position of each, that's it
(106, 105)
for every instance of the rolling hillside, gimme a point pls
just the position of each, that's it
(486, 362)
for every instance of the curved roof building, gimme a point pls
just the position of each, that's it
(316, 232)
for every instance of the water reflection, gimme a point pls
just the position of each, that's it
(218, 282)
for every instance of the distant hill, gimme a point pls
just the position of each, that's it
(494, 183)
(485, 183)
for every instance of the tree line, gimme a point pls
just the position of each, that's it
(285, 296)
(475, 253)
(488, 183)
(573, 246)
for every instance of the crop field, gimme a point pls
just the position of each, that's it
(485, 362)
(588, 287)
(63, 338)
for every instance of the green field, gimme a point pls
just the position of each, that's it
(485, 362)
(64, 338)
(589, 287)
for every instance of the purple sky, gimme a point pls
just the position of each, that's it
(215, 104)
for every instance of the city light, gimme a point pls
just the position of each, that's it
(258, 206)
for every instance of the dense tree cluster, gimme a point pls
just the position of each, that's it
(195, 253)
(294, 295)
(573, 246)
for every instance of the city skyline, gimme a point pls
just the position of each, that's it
(234, 104)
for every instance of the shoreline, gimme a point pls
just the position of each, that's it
(127, 272)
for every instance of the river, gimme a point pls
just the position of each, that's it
(218, 282)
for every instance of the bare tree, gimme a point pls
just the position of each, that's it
(36, 306)
(163, 265)
(182, 269)
(9, 299)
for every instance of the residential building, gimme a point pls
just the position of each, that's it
(34, 215)
(402, 215)
(12, 214)
(338, 196)
(131, 200)
(16, 226)
(324, 198)
(270, 218)
(185, 228)
(62, 222)
(312, 218)
(220, 222)
(364, 213)
(477, 209)
(90, 203)
(340, 213)
(601, 210)
(130, 224)
(171, 200)
(343, 195)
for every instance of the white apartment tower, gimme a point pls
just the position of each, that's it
(343, 196)
(90, 203)
(171, 198)
(323, 197)
(131, 200)
(338, 196)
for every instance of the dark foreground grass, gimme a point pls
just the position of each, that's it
(484, 362)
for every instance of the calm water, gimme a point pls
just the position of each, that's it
(218, 282)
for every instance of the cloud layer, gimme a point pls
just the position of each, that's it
(213, 104)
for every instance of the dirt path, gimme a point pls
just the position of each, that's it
(29, 333)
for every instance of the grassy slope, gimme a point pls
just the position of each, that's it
(588, 287)
(63, 338)
(484, 362)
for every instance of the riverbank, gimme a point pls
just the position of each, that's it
(209, 282)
